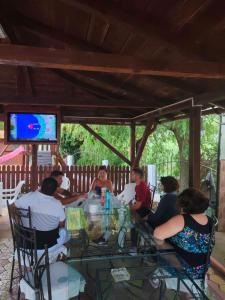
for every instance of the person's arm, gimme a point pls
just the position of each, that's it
(110, 186)
(68, 200)
(64, 192)
(136, 205)
(62, 224)
(92, 188)
(155, 218)
(170, 228)
(140, 197)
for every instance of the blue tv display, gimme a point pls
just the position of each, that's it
(28, 127)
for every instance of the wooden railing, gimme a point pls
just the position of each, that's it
(80, 176)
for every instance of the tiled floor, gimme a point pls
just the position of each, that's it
(216, 280)
(6, 260)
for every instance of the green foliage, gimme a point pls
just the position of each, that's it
(169, 141)
(70, 142)
(93, 151)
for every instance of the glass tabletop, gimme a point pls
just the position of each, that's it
(104, 241)
(132, 277)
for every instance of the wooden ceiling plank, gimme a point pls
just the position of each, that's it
(185, 11)
(114, 14)
(44, 31)
(90, 27)
(99, 92)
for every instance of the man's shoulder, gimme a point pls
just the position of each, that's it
(26, 196)
(55, 201)
(170, 196)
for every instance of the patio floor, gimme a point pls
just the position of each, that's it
(216, 280)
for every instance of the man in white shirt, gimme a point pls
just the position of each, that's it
(47, 214)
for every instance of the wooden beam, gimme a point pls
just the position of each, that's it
(204, 98)
(194, 146)
(150, 127)
(171, 108)
(70, 101)
(96, 120)
(34, 172)
(221, 176)
(101, 62)
(103, 141)
(184, 11)
(132, 142)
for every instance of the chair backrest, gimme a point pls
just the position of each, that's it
(152, 189)
(18, 190)
(12, 194)
(18, 216)
(32, 268)
(66, 183)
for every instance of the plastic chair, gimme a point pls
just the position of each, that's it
(10, 194)
(66, 183)
(152, 189)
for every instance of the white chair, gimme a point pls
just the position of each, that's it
(128, 194)
(66, 183)
(10, 194)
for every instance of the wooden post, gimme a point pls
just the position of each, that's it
(132, 142)
(221, 178)
(150, 127)
(194, 146)
(34, 168)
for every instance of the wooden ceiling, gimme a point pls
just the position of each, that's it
(120, 58)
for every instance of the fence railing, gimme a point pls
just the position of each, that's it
(80, 176)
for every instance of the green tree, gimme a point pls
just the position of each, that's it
(70, 142)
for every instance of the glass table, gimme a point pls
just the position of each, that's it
(104, 242)
(140, 277)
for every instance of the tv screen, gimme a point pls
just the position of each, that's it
(28, 127)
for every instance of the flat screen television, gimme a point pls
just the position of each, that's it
(32, 127)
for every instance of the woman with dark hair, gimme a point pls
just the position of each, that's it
(101, 181)
(167, 206)
(190, 232)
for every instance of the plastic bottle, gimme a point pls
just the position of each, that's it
(103, 197)
(107, 200)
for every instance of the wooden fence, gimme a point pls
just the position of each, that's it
(80, 176)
